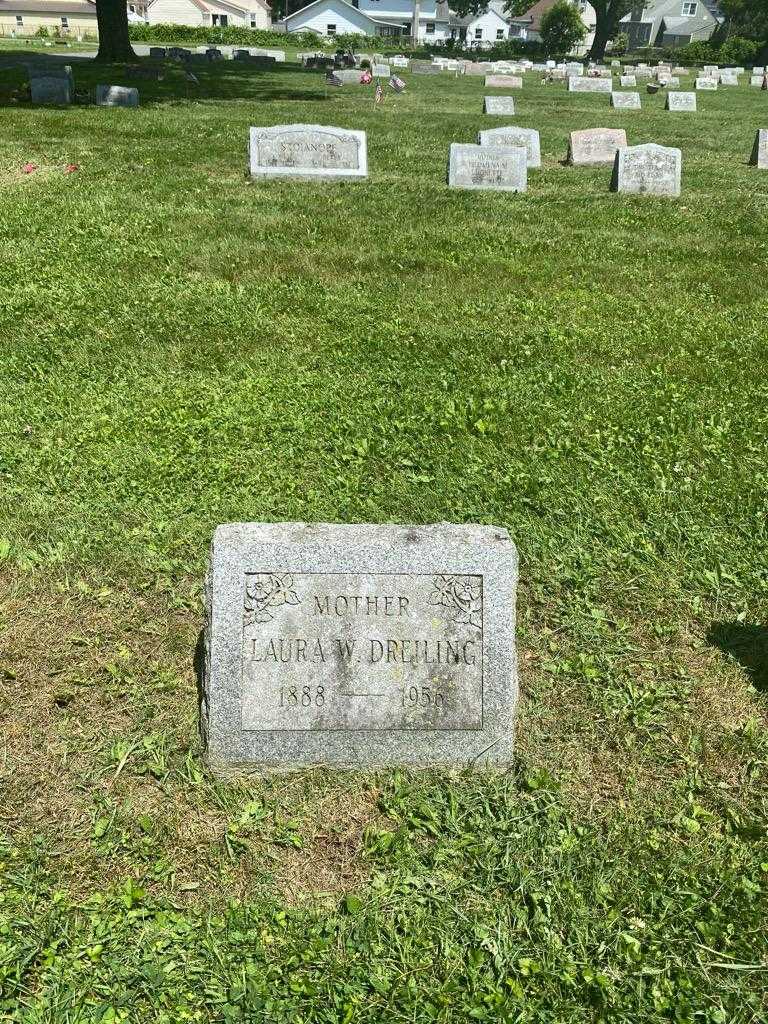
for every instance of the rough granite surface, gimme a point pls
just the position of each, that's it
(359, 646)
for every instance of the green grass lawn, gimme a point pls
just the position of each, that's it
(181, 348)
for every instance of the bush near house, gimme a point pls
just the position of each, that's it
(142, 33)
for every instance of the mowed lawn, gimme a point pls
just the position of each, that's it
(181, 348)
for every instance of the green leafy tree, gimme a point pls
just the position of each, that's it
(562, 28)
(620, 44)
(745, 18)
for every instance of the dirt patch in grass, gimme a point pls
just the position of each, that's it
(99, 752)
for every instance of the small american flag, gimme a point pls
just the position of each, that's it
(379, 93)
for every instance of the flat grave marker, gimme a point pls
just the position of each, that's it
(359, 646)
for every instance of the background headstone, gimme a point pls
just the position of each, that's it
(492, 168)
(503, 82)
(595, 146)
(647, 170)
(590, 85)
(759, 156)
(499, 105)
(706, 83)
(625, 81)
(626, 100)
(514, 136)
(681, 101)
(359, 646)
(308, 151)
(116, 96)
(45, 89)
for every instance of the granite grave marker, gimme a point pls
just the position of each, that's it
(359, 646)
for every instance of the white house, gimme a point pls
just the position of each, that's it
(213, 13)
(372, 18)
(528, 25)
(481, 30)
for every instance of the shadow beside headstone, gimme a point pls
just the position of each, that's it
(746, 644)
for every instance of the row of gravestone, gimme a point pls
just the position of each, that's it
(498, 162)
(212, 53)
(503, 106)
(55, 85)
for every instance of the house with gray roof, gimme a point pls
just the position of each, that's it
(669, 23)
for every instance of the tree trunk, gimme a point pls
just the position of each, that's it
(603, 33)
(112, 19)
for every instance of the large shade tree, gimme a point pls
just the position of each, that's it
(114, 42)
(608, 14)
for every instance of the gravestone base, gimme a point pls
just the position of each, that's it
(359, 647)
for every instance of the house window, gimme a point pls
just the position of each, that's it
(65, 22)
(330, 30)
(689, 10)
(253, 21)
(430, 28)
(478, 33)
(499, 33)
(222, 20)
(19, 21)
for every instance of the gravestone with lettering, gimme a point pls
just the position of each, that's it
(503, 82)
(706, 84)
(359, 646)
(625, 100)
(681, 101)
(627, 81)
(756, 80)
(590, 85)
(488, 168)
(423, 67)
(514, 136)
(498, 105)
(759, 156)
(647, 170)
(595, 146)
(381, 71)
(308, 151)
(116, 96)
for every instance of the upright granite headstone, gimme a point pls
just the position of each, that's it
(498, 105)
(595, 146)
(647, 170)
(706, 83)
(681, 101)
(50, 90)
(158, 52)
(625, 81)
(625, 100)
(590, 85)
(381, 71)
(116, 96)
(514, 136)
(423, 67)
(308, 151)
(503, 82)
(488, 168)
(359, 646)
(759, 156)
